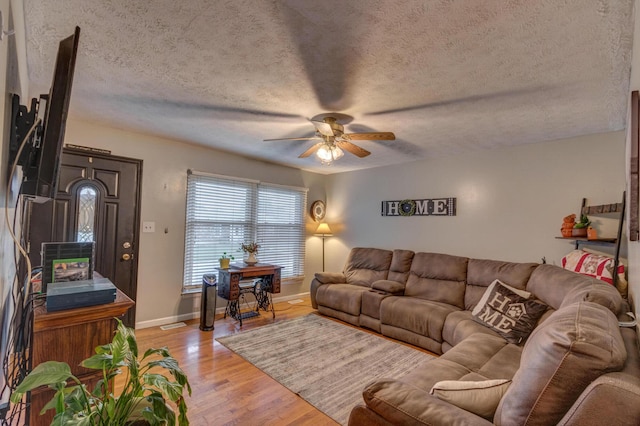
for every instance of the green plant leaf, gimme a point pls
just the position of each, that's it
(68, 417)
(182, 417)
(46, 374)
(98, 362)
(133, 345)
(172, 390)
(163, 352)
(77, 398)
(154, 410)
(172, 365)
(119, 348)
(103, 349)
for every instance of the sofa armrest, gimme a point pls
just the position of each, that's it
(402, 403)
(331, 277)
(322, 278)
(388, 286)
(614, 396)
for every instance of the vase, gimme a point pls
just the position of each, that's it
(251, 259)
(224, 263)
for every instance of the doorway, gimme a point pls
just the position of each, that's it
(98, 199)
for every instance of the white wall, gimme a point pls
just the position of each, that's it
(165, 164)
(510, 201)
(634, 247)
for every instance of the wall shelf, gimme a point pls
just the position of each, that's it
(603, 209)
(596, 242)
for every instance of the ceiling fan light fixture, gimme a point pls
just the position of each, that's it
(328, 154)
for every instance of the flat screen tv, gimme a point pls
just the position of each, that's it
(41, 159)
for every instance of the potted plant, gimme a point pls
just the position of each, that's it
(144, 395)
(252, 249)
(224, 260)
(580, 228)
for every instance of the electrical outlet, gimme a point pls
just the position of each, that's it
(148, 227)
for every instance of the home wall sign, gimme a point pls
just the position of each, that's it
(424, 207)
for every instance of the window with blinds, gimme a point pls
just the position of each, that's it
(223, 212)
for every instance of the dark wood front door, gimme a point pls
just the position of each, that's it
(98, 199)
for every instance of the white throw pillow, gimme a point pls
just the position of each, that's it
(481, 398)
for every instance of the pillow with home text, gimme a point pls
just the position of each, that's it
(508, 311)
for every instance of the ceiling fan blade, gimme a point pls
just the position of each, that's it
(375, 136)
(466, 99)
(354, 149)
(323, 128)
(291, 139)
(311, 150)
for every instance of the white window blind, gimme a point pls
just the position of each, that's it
(280, 228)
(223, 212)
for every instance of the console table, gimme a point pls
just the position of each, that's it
(267, 282)
(71, 336)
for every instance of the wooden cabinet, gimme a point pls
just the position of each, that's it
(71, 336)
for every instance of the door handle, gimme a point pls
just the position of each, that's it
(127, 256)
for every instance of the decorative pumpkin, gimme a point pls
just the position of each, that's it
(568, 222)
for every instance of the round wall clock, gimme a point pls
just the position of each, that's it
(318, 210)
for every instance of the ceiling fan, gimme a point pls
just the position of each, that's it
(333, 140)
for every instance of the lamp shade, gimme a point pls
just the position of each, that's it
(328, 154)
(323, 230)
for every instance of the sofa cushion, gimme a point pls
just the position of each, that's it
(573, 347)
(419, 316)
(371, 301)
(482, 272)
(400, 265)
(388, 286)
(508, 311)
(438, 277)
(341, 297)
(596, 292)
(459, 325)
(399, 403)
(366, 265)
(479, 397)
(552, 285)
(484, 357)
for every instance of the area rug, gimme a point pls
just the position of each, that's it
(326, 363)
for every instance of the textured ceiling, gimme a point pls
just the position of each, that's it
(445, 76)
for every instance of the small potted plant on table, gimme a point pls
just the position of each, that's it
(224, 260)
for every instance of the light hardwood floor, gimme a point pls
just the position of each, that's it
(227, 390)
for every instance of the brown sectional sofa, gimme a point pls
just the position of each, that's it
(578, 367)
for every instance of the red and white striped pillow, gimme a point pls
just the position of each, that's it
(593, 265)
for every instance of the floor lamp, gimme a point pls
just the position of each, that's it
(323, 231)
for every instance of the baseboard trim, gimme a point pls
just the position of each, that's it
(196, 314)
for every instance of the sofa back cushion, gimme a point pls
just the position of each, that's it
(482, 272)
(438, 277)
(573, 347)
(366, 265)
(400, 265)
(553, 285)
